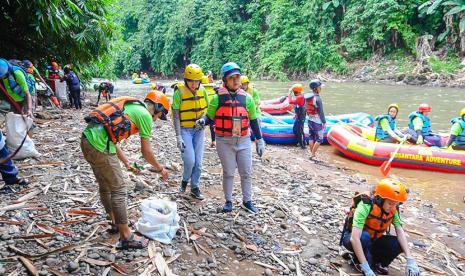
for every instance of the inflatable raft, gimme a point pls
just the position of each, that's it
(354, 142)
(278, 106)
(140, 81)
(278, 130)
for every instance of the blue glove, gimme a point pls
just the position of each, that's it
(260, 145)
(411, 269)
(367, 269)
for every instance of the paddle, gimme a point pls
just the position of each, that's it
(274, 118)
(386, 166)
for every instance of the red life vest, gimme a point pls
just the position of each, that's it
(230, 106)
(311, 108)
(111, 115)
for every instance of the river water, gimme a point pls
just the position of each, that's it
(443, 190)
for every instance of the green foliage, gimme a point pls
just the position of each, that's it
(449, 65)
(69, 31)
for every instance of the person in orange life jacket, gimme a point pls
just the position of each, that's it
(369, 218)
(190, 102)
(316, 117)
(233, 110)
(16, 84)
(299, 109)
(108, 125)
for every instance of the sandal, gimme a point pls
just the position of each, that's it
(132, 243)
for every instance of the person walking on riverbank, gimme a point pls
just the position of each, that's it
(74, 87)
(316, 117)
(233, 111)
(16, 87)
(457, 132)
(99, 144)
(298, 101)
(190, 102)
(252, 91)
(369, 218)
(420, 127)
(386, 129)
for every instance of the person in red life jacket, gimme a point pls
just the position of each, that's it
(300, 113)
(234, 111)
(316, 117)
(367, 227)
(109, 124)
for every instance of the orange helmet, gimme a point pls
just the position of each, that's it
(161, 102)
(297, 88)
(391, 189)
(54, 65)
(424, 107)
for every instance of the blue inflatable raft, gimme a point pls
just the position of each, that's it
(278, 129)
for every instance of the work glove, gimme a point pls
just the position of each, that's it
(180, 142)
(411, 269)
(365, 267)
(260, 144)
(200, 124)
(420, 140)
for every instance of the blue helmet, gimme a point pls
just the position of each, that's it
(4, 66)
(229, 69)
(315, 83)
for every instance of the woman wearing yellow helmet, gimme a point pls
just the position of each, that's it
(457, 132)
(251, 90)
(190, 102)
(367, 226)
(386, 129)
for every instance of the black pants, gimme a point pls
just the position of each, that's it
(76, 96)
(383, 250)
(298, 130)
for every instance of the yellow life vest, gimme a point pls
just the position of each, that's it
(192, 106)
(210, 88)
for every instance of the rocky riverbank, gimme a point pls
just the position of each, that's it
(57, 225)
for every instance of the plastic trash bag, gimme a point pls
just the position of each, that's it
(16, 129)
(159, 220)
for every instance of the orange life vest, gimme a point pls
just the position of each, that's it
(229, 107)
(377, 222)
(115, 121)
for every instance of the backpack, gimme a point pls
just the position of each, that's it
(18, 65)
(359, 196)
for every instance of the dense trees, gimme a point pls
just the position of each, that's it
(269, 38)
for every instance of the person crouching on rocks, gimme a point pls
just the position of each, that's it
(233, 111)
(367, 225)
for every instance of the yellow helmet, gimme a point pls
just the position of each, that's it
(153, 86)
(396, 106)
(193, 72)
(244, 79)
(205, 80)
(462, 112)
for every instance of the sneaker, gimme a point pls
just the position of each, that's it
(248, 206)
(381, 270)
(195, 193)
(228, 206)
(183, 186)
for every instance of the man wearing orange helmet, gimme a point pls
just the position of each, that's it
(367, 227)
(420, 127)
(108, 125)
(300, 113)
